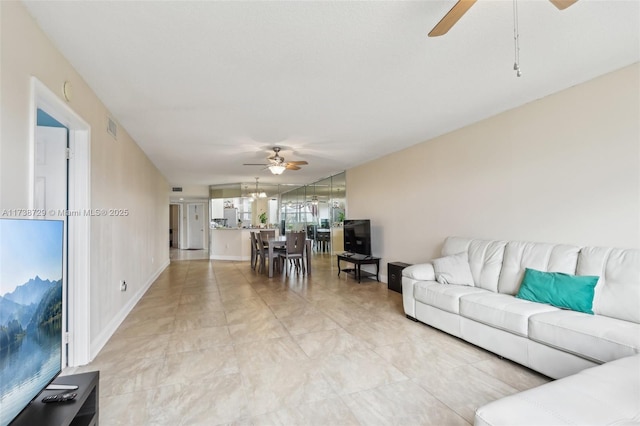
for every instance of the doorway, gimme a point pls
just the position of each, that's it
(76, 312)
(174, 225)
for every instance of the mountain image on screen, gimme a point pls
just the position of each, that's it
(32, 306)
(30, 312)
(30, 334)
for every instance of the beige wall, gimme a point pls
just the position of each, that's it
(565, 169)
(200, 192)
(133, 248)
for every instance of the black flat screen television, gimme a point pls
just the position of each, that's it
(31, 259)
(357, 236)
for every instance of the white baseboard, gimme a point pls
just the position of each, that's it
(222, 257)
(98, 343)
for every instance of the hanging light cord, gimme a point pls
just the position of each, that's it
(516, 40)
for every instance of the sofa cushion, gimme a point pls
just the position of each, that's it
(442, 296)
(543, 257)
(502, 311)
(453, 269)
(604, 395)
(485, 259)
(618, 290)
(594, 337)
(558, 289)
(420, 271)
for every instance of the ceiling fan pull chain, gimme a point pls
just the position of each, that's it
(516, 40)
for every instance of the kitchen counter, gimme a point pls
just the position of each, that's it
(231, 243)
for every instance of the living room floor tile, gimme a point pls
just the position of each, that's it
(258, 355)
(463, 389)
(511, 373)
(147, 327)
(285, 384)
(259, 330)
(216, 342)
(198, 339)
(330, 342)
(198, 366)
(354, 371)
(292, 308)
(401, 403)
(194, 320)
(319, 413)
(418, 358)
(308, 323)
(217, 400)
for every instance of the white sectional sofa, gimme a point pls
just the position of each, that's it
(605, 395)
(553, 341)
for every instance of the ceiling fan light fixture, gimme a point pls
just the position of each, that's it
(277, 169)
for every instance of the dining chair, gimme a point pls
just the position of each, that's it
(262, 252)
(294, 251)
(311, 232)
(271, 233)
(268, 234)
(255, 253)
(324, 241)
(262, 248)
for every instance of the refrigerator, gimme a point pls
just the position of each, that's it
(231, 214)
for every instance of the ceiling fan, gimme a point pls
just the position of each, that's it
(461, 7)
(277, 165)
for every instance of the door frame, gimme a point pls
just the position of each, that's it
(177, 242)
(79, 190)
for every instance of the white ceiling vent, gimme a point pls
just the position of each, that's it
(112, 128)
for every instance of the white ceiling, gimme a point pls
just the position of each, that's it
(204, 86)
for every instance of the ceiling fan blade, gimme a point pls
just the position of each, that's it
(450, 19)
(292, 167)
(562, 4)
(298, 163)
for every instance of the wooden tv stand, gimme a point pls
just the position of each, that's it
(358, 260)
(82, 411)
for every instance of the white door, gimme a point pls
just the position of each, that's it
(195, 226)
(51, 171)
(51, 189)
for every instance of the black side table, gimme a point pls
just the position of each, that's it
(83, 410)
(358, 260)
(394, 275)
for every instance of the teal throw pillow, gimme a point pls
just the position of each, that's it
(560, 290)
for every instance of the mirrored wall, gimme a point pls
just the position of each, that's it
(318, 208)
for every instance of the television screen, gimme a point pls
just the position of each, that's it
(357, 236)
(31, 257)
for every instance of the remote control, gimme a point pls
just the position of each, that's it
(60, 397)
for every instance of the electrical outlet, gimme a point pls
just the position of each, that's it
(123, 285)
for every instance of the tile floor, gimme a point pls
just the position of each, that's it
(214, 342)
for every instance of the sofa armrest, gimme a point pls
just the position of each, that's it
(420, 272)
(410, 276)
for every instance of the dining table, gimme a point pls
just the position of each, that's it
(281, 241)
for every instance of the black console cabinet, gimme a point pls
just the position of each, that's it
(394, 275)
(82, 411)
